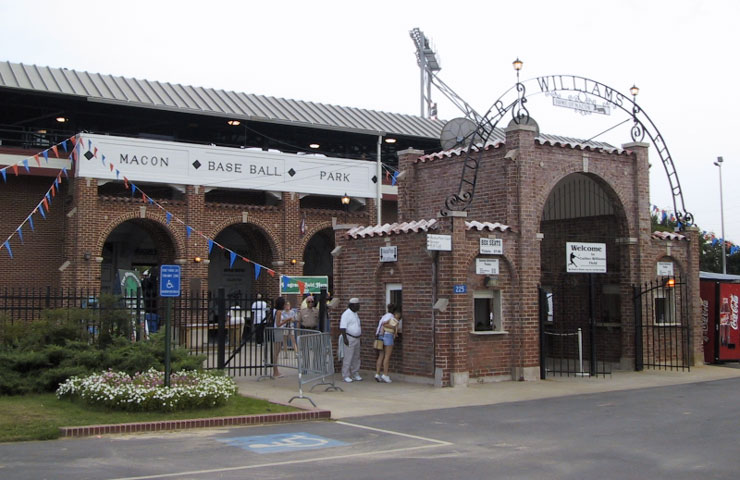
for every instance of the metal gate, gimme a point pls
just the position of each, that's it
(662, 324)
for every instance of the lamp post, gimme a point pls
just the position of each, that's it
(718, 164)
(345, 204)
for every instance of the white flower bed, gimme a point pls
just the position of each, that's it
(146, 391)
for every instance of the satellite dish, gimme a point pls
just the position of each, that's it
(456, 133)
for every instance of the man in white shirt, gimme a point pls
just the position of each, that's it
(259, 311)
(351, 331)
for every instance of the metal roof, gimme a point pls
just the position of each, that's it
(208, 101)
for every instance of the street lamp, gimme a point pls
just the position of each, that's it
(718, 164)
(345, 204)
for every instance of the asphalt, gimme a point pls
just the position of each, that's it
(368, 397)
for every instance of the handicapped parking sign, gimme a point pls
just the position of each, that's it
(169, 281)
(282, 442)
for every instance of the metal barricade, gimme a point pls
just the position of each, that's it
(312, 357)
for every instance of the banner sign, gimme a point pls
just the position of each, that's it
(289, 285)
(585, 257)
(156, 161)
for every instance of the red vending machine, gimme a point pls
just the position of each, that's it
(720, 297)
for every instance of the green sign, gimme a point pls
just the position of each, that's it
(313, 284)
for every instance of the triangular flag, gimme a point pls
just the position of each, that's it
(271, 272)
(5, 179)
(64, 145)
(48, 197)
(20, 233)
(301, 286)
(151, 200)
(257, 268)
(102, 158)
(118, 173)
(286, 280)
(7, 245)
(95, 154)
(64, 171)
(46, 155)
(30, 222)
(89, 144)
(25, 164)
(55, 150)
(46, 203)
(395, 178)
(143, 197)
(168, 216)
(232, 257)
(188, 230)
(41, 211)
(210, 246)
(15, 169)
(53, 189)
(125, 182)
(111, 166)
(73, 139)
(38, 161)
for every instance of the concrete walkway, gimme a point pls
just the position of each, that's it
(371, 398)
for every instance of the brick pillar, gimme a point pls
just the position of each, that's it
(407, 183)
(80, 244)
(639, 217)
(696, 354)
(194, 274)
(459, 304)
(524, 216)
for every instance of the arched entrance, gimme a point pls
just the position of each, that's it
(317, 258)
(583, 209)
(134, 247)
(237, 278)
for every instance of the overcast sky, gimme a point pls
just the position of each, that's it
(682, 54)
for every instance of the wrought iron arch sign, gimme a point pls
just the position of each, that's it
(485, 125)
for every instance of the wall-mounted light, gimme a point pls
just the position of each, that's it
(669, 283)
(345, 200)
(314, 146)
(234, 123)
(518, 64)
(86, 256)
(293, 261)
(62, 119)
(197, 259)
(634, 90)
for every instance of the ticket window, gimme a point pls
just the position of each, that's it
(487, 311)
(394, 295)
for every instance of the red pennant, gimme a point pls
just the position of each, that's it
(38, 161)
(143, 197)
(56, 152)
(95, 152)
(125, 182)
(46, 204)
(111, 167)
(15, 169)
(301, 286)
(73, 139)
(53, 191)
(271, 272)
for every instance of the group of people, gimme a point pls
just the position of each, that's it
(285, 317)
(351, 331)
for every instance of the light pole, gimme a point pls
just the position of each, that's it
(718, 164)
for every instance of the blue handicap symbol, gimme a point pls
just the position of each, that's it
(281, 442)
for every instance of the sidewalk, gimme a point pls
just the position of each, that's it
(371, 398)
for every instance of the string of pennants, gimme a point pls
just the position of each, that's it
(92, 152)
(42, 208)
(664, 215)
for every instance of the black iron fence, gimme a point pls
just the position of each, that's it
(662, 324)
(224, 329)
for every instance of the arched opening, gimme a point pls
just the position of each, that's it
(317, 258)
(134, 248)
(582, 209)
(238, 279)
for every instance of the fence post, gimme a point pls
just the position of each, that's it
(542, 301)
(637, 306)
(221, 333)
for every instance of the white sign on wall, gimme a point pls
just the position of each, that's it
(585, 257)
(141, 160)
(665, 269)
(439, 242)
(486, 266)
(491, 246)
(388, 254)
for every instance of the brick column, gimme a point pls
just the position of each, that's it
(459, 304)
(524, 216)
(80, 243)
(696, 354)
(406, 184)
(195, 275)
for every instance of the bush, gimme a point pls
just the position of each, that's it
(146, 391)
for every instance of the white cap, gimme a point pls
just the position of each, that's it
(354, 300)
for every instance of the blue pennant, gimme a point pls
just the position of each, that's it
(30, 222)
(232, 257)
(103, 160)
(168, 216)
(150, 200)
(210, 246)
(286, 281)
(188, 230)
(25, 164)
(64, 171)
(41, 211)
(20, 234)
(7, 245)
(133, 189)
(64, 145)
(394, 179)
(4, 177)
(257, 268)
(118, 174)
(46, 155)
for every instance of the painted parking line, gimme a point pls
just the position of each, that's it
(431, 443)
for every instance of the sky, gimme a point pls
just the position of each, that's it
(680, 53)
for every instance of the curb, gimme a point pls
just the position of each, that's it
(165, 425)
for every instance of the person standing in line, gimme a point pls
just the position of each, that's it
(259, 312)
(386, 331)
(277, 333)
(308, 317)
(351, 331)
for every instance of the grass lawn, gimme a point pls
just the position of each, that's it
(39, 416)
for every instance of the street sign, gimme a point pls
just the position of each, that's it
(585, 257)
(169, 281)
(439, 242)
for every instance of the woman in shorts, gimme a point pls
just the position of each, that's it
(386, 331)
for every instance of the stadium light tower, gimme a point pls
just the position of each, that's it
(428, 63)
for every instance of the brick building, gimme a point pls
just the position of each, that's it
(533, 195)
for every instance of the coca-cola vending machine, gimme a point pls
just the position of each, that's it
(720, 296)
